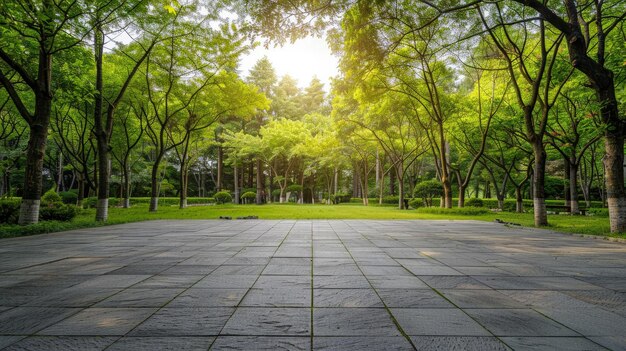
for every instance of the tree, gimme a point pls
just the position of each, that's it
(32, 36)
(576, 23)
(530, 56)
(177, 71)
(571, 134)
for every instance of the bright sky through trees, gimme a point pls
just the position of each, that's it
(302, 60)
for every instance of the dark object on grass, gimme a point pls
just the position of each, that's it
(248, 217)
(503, 222)
(226, 217)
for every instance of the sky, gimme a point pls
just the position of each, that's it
(302, 60)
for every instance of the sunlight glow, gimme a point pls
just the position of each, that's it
(302, 60)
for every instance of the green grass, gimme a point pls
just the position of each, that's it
(590, 225)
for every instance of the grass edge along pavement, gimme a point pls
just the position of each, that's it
(586, 225)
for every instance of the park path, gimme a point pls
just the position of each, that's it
(311, 285)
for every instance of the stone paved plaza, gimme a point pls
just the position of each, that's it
(312, 285)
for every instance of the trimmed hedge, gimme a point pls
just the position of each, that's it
(465, 211)
(90, 202)
(57, 211)
(474, 202)
(223, 197)
(9, 211)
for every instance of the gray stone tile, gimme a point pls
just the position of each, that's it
(169, 281)
(112, 281)
(282, 282)
(611, 342)
(269, 321)
(413, 298)
(437, 321)
(28, 320)
(187, 269)
(385, 270)
(467, 343)
(100, 321)
(346, 298)
(269, 343)
(480, 299)
(169, 343)
(73, 297)
(198, 321)
(147, 297)
(518, 322)
(353, 322)
(571, 282)
(331, 343)
(551, 343)
(140, 269)
(279, 269)
(336, 269)
(536, 283)
(62, 343)
(6, 340)
(453, 282)
(340, 282)
(587, 321)
(277, 297)
(396, 282)
(199, 297)
(237, 270)
(226, 282)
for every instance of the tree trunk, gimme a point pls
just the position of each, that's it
(31, 196)
(566, 187)
(259, 182)
(59, 174)
(519, 201)
(616, 198)
(336, 181)
(539, 200)
(220, 168)
(126, 184)
(573, 187)
(461, 202)
(447, 192)
(400, 175)
(154, 186)
(184, 179)
(392, 181)
(236, 183)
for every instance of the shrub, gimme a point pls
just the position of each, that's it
(474, 202)
(57, 211)
(9, 211)
(340, 198)
(90, 202)
(427, 190)
(50, 196)
(248, 196)
(509, 206)
(598, 212)
(416, 203)
(223, 197)
(391, 199)
(248, 190)
(293, 188)
(464, 211)
(69, 197)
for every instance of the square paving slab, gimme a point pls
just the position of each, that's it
(312, 285)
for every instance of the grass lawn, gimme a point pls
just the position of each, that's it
(590, 225)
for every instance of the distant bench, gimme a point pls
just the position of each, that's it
(564, 208)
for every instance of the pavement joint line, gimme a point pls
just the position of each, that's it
(589, 272)
(257, 278)
(391, 316)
